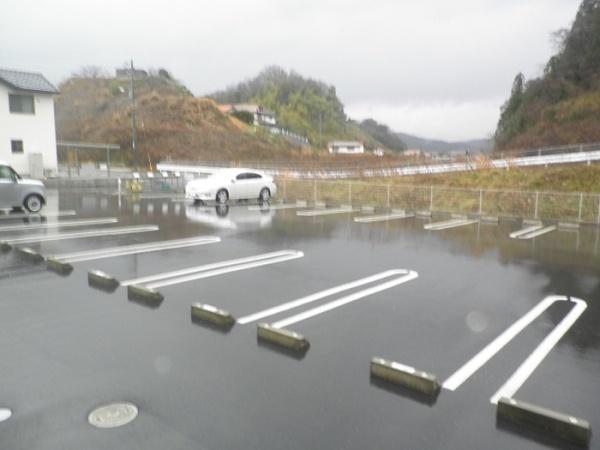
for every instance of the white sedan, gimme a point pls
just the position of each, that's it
(231, 184)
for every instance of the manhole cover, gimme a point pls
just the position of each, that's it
(113, 415)
(5, 413)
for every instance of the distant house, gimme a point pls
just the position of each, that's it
(262, 117)
(414, 153)
(27, 128)
(346, 147)
(379, 152)
(225, 108)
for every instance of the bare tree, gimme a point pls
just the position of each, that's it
(90, 72)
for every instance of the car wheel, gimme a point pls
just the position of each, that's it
(265, 195)
(33, 203)
(222, 196)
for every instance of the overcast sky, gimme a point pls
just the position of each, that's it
(435, 68)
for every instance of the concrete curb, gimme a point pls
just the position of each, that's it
(532, 222)
(282, 337)
(548, 421)
(405, 376)
(29, 254)
(423, 213)
(367, 209)
(60, 267)
(568, 226)
(509, 219)
(213, 315)
(101, 280)
(489, 220)
(302, 203)
(140, 292)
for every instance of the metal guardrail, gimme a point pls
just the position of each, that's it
(400, 167)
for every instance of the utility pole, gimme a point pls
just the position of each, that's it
(320, 130)
(133, 143)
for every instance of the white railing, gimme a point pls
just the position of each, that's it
(581, 153)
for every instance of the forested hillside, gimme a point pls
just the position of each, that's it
(170, 121)
(563, 106)
(307, 107)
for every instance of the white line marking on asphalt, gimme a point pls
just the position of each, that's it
(476, 362)
(213, 273)
(317, 296)
(516, 380)
(161, 197)
(95, 232)
(38, 215)
(5, 414)
(60, 224)
(516, 234)
(436, 226)
(325, 212)
(382, 218)
(537, 233)
(267, 208)
(407, 276)
(135, 249)
(214, 269)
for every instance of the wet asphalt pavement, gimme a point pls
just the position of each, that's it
(67, 348)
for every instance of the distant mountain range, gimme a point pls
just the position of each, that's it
(438, 146)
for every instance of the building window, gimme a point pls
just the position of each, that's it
(16, 146)
(18, 103)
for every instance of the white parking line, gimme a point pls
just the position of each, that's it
(518, 233)
(37, 215)
(474, 364)
(325, 212)
(516, 380)
(81, 234)
(406, 275)
(535, 233)
(317, 296)
(209, 270)
(135, 249)
(382, 218)
(161, 197)
(269, 207)
(61, 224)
(436, 226)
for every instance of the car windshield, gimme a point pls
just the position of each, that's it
(6, 172)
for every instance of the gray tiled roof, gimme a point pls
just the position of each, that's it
(27, 81)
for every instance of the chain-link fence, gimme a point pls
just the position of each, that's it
(577, 207)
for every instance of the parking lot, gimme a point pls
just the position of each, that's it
(434, 297)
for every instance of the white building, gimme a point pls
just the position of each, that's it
(346, 147)
(262, 117)
(27, 131)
